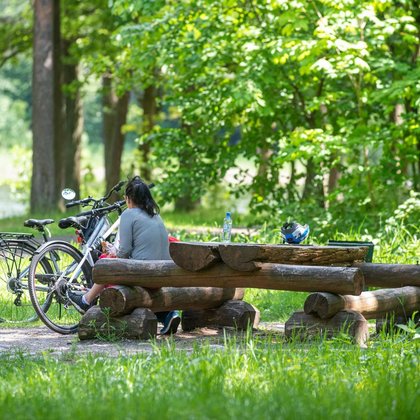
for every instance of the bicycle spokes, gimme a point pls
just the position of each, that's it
(49, 290)
(15, 258)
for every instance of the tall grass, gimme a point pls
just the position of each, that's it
(249, 379)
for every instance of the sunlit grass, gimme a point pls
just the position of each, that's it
(251, 378)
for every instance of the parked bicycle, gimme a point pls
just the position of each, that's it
(17, 251)
(58, 267)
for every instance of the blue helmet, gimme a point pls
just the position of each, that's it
(294, 233)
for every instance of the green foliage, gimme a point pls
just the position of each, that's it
(412, 328)
(270, 100)
(309, 83)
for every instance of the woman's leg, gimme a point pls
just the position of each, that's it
(170, 321)
(94, 292)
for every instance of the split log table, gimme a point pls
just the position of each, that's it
(197, 256)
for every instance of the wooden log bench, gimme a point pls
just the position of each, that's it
(122, 300)
(372, 305)
(155, 274)
(129, 312)
(390, 275)
(206, 281)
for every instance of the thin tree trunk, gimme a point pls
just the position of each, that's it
(46, 110)
(73, 122)
(59, 148)
(313, 188)
(114, 117)
(148, 103)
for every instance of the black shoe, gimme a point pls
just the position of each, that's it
(170, 326)
(77, 301)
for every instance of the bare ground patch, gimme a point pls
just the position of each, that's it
(38, 340)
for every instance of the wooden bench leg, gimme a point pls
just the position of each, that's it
(304, 326)
(233, 313)
(140, 324)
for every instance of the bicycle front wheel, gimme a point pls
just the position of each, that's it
(15, 259)
(48, 290)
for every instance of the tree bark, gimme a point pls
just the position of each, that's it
(140, 324)
(123, 299)
(154, 274)
(371, 305)
(46, 109)
(303, 326)
(73, 120)
(313, 188)
(233, 313)
(114, 117)
(246, 257)
(149, 105)
(194, 256)
(390, 275)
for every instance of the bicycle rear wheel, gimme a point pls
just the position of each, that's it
(48, 290)
(16, 253)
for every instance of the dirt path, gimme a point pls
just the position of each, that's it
(38, 340)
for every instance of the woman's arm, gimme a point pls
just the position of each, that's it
(126, 236)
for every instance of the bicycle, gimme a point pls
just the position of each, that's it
(58, 266)
(17, 251)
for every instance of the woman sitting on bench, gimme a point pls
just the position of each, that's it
(143, 236)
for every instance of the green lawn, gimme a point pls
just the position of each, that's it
(248, 379)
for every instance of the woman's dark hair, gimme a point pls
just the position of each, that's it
(139, 193)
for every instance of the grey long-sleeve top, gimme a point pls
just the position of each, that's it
(142, 237)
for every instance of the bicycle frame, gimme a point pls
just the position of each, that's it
(97, 237)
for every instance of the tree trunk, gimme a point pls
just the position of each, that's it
(390, 275)
(371, 305)
(148, 103)
(154, 274)
(46, 109)
(73, 121)
(123, 299)
(313, 188)
(114, 117)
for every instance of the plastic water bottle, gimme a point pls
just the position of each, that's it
(227, 228)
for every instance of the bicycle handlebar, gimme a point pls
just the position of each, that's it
(103, 210)
(83, 202)
(89, 200)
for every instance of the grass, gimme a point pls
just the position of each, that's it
(249, 379)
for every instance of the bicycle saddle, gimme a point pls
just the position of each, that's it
(37, 223)
(73, 221)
